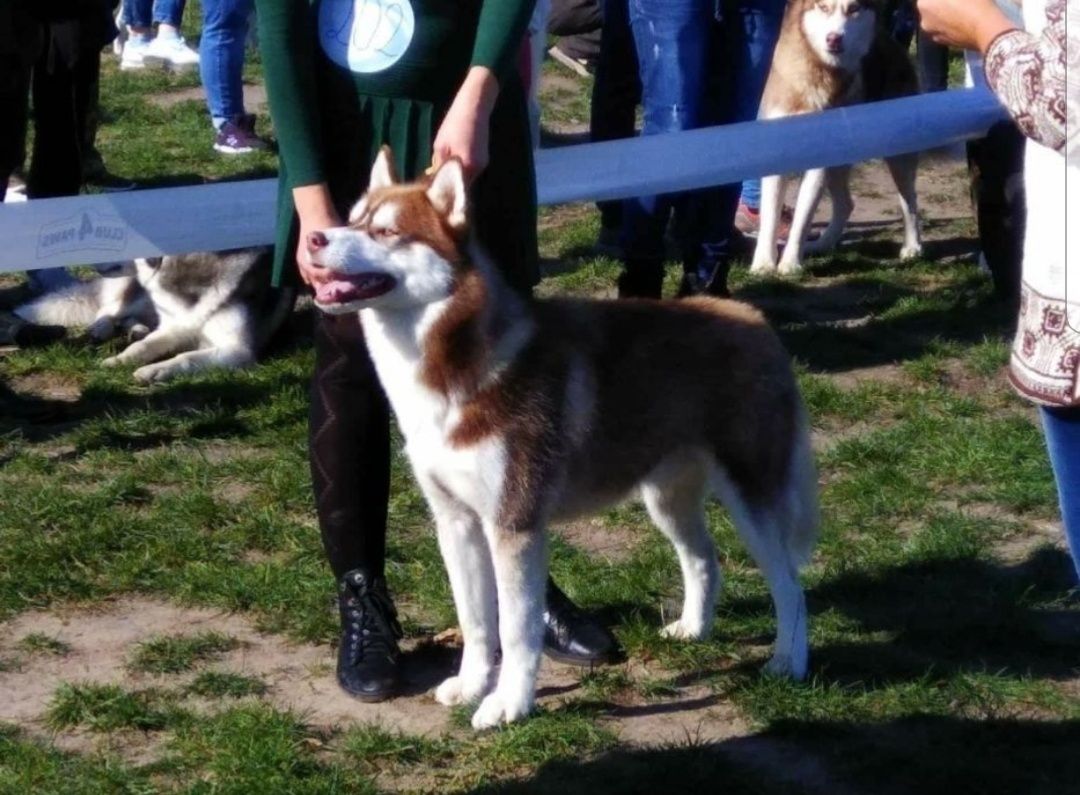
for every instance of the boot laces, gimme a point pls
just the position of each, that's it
(371, 621)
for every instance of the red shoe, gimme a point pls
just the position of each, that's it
(748, 221)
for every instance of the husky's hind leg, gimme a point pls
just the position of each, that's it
(903, 169)
(836, 182)
(674, 494)
(777, 548)
(226, 341)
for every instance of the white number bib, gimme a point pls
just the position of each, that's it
(366, 36)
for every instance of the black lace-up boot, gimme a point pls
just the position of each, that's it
(367, 665)
(572, 636)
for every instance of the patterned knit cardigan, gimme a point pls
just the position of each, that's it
(1027, 70)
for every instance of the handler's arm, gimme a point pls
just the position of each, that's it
(287, 37)
(1028, 75)
(500, 33)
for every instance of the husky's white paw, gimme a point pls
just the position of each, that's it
(786, 666)
(684, 631)
(152, 374)
(112, 361)
(911, 252)
(762, 265)
(462, 690)
(789, 267)
(499, 708)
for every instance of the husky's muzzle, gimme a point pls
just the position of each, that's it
(340, 288)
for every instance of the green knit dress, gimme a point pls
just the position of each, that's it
(345, 77)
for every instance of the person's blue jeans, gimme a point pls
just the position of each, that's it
(221, 56)
(144, 13)
(702, 62)
(751, 38)
(1062, 429)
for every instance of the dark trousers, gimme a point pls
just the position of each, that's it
(14, 93)
(616, 92)
(64, 103)
(996, 167)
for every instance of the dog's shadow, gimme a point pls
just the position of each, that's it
(942, 617)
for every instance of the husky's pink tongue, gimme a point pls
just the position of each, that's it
(359, 287)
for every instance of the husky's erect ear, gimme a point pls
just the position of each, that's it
(447, 193)
(383, 172)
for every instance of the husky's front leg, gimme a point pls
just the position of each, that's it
(157, 344)
(520, 573)
(468, 562)
(805, 205)
(772, 207)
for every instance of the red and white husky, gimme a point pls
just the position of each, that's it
(517, 413)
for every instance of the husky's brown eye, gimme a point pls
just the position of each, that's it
(853, 9)
(384, 232)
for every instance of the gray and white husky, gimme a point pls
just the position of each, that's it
(187, 313)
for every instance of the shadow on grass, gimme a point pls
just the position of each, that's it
(944, 616)
(40, 420)
(959, 614)
(923, 754)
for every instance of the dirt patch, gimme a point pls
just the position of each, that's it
(695, 717)
(891, 374)
(254, 97)
(611, 544)
(299, 677)
(49, 386)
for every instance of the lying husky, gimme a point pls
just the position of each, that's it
(199, 310)
(519, 413)
(831, 53)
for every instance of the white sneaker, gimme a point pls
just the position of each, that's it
(172, 53)
(131, 57)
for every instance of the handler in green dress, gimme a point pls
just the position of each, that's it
(433, 79)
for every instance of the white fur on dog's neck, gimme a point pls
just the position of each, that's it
(397, 339)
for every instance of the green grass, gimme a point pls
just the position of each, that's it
(38, 643)
(170, 655)
(106, 708)
(220, 684)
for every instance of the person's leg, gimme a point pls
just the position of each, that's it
(739, 62)
(349, 453)
(169, 13)
(996, 170)
(168, 48)
(1062, 429)
(60, 97)
(672, 41)
(14, 106)
(760, 30)
(615, 97)
(221, 49)
(139, 16)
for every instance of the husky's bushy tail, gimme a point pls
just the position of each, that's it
(74, 306)
(79, 305)
(798, 512)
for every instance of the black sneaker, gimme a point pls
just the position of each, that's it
(237, 136)
(367, 665)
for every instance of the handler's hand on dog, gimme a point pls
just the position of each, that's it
(464, 131)
(317, 213)
(967, 24)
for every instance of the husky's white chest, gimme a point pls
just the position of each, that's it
(472, 474)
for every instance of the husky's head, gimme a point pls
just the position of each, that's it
(402, 247)
(840, 31)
